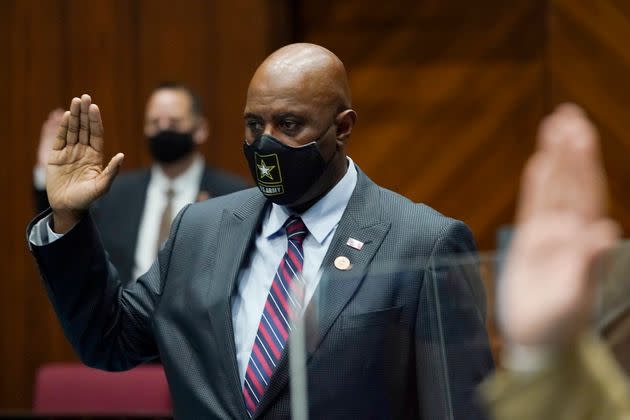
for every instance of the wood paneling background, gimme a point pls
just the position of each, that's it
(116, 50)
(448, 95)
(589, 60)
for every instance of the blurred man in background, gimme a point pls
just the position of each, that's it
(557, 368)
(135, 216)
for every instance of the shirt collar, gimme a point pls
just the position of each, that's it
(323, 216)
(191, 176)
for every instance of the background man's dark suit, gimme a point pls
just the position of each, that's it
(118, 213)
(395, 336)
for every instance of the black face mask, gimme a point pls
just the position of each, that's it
(283, 173)
(168, 146)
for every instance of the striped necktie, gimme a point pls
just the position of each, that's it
(166, 219)
(283, 304)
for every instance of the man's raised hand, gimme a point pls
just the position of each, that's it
(547, 293)
(75, 174)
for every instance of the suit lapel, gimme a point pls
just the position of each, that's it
(236, 232)
(134, 209)
(206, 184)
(134, 196)
(360, 221)
(337, 286)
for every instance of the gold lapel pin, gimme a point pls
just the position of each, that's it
(343, 263)
(355, 243)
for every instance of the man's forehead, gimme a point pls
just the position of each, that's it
(285, 95)
(171, 101)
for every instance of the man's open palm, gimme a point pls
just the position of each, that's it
(547, 290)
(75, 174)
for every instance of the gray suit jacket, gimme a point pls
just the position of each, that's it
(399, 335)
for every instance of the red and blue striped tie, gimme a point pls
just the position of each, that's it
(283, 304)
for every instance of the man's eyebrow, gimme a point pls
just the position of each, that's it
(251, 115)
(284, 115)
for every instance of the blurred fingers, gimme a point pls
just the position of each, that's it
(55, 115)
(62, 132)
(572, 177)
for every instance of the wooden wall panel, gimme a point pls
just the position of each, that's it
(100, 59)
(245, 32)
(173, 44)
(6, 307)
(28, 331)
(116, 50)
(589, 60)
(448, 96)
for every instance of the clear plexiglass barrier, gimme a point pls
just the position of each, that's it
(414, 338)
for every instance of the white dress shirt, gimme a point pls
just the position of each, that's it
(255, 278)
(185, 188)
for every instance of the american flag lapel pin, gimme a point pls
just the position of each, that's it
(355, 243)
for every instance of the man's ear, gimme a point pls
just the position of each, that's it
(202, 132)
(345, 122)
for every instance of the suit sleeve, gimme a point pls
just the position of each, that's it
(108, 325)
(452, 347)
(581, 383)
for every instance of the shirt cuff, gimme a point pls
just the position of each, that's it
(42, 234)
(39, 177)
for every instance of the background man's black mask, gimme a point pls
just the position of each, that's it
(168, 146)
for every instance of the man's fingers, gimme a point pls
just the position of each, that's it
(73, 122)
(96, 128)
(62, 132)
(568, 175)
(566, 121)
(55, 115)
(570, 108)
(109, 173)
(583, 185)
(84, 130)
(52, 122)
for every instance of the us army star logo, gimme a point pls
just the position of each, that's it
(265, 171)
(268, 169)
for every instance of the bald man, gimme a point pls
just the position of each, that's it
(391, 332)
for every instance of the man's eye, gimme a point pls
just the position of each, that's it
(254, 125)
(289, 125)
